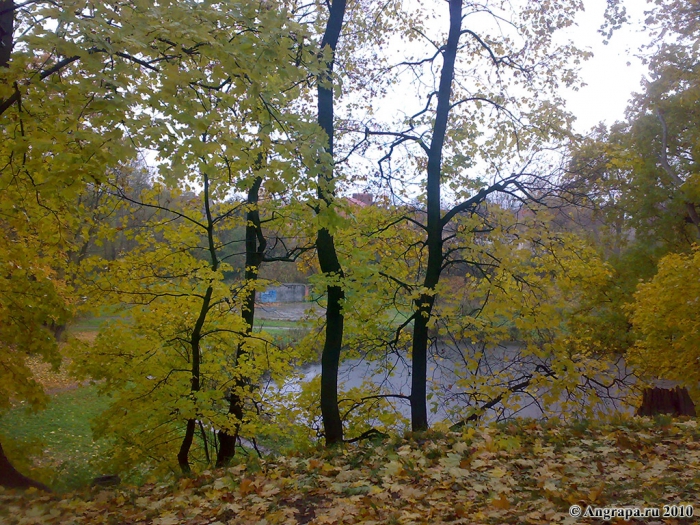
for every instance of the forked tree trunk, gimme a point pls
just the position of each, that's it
(196, 337)
(11, 478)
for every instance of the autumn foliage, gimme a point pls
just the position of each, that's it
(665, 314)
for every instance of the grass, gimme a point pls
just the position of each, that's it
(285, 333)
(92, 323)
(276, 323)
(55, 445)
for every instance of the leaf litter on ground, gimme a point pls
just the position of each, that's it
(520, 472)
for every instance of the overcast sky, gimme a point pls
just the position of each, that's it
(610, 80)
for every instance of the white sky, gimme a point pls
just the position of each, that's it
(610, 80)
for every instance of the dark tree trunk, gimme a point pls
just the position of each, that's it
(184, 452)
(325, 244)
(11, 478)
(424, 305)
(419, 364)
(255, 244)
(227, 441)
(7, 18)
(195, 380)
(330, 360)
(7, 22)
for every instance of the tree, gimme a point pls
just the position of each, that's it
(516, 278)
(641, 174)
(257, 252)
(659, 141)
(224, 123)
(664, 313)
(221, 92)
(325, 244)
(120, 79)
(367, 22)
(498, 128)
(178, 332)
(47, 154)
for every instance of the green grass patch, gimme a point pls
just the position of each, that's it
(89, 324)
(277, 323)
(284, 333)
(280, 332)
(92, 323)
(55, 445)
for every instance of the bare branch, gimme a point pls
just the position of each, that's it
(403, 137)
(496, 61)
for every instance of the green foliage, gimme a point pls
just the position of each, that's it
(146, 363)
(31, 300)
(518, 314)
(213, 97)
(534, 296)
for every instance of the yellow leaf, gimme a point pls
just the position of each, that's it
(498, 472)
(595, 493)
(501, 502)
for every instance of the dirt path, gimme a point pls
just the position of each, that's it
(286, 311)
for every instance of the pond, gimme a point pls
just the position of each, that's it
(458, 378)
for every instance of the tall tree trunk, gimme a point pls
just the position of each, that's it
(424, 305)
(325, 244)
(11, 478)
(330, 361)
(255, 244)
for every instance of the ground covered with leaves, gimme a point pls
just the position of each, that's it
(521, 472)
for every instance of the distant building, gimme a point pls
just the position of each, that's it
(361, 199)
(284, 293)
